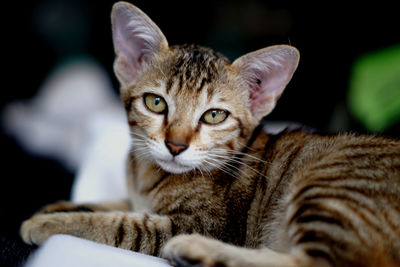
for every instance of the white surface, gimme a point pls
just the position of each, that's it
(69, 251)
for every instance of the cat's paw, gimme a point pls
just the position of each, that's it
(40, 227)
(194, 250)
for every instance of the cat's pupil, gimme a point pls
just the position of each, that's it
(213, 113)
(157, 101)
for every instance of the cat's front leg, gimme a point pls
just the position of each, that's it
(66, 206)
(134, 231)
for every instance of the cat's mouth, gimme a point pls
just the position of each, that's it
(173, 166)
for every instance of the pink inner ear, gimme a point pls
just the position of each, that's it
(126, 69)
(136, 39)
(266, 72)
(266, 89)
(258, 99)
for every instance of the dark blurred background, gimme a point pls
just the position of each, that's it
(37, 35)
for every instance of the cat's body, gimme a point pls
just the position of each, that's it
(197, 166)
(303, 190)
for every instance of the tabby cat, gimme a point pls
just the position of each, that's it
(209, 187)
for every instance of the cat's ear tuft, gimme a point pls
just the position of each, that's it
(266, 72)
(136, 38)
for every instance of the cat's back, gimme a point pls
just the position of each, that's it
(344, 156)
(339, 196)
(349, 160)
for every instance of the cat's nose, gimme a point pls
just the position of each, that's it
(175, 148)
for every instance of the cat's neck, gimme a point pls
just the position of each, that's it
(143, 175)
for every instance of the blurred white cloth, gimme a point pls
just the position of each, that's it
(77, 119)
(68, 251)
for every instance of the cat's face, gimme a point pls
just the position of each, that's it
(189, 107)
(186, 112)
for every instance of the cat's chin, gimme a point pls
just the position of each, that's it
(173, 167)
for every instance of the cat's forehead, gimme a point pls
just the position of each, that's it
(194, 67)
(197, 56)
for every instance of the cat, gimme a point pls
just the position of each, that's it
(208, 187)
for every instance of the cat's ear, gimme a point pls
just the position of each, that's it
(266, 72)
(137, 40)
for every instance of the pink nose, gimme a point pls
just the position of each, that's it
(174, 148)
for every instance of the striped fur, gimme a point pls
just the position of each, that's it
(236, 196)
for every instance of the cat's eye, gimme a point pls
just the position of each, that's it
(155, 103)
(214, 116)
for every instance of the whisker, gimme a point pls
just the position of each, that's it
(228, 159)
(219, 167)
(234, 152)
(198, 168)
(138, 135)
(207, 171)
(246, 146)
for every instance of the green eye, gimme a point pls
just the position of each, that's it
(155, 103)
(214, 116)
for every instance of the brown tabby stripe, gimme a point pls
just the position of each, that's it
(230, 129)
(195, 65)
(367, 145)
(342, 196)
(347, 200)
(138, 240)
(314, 208)
(373, 157)
(327, 180)
(364, 192)
(375, 226)
(391, 224)
(269, 146)
(253, 137)
(343, 164)
(180, 84)
(181, 211)
(347, 176)
(120, 234)
(156, 184)
(132, 122)
(289, 161)
(105, 234)
(146, 228)
(316, 238)
(240, 125)
(318, 253)
(157, 244)
(168, 85)
(177, 200)
(202, 84)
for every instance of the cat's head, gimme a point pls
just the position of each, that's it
(189, 107)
